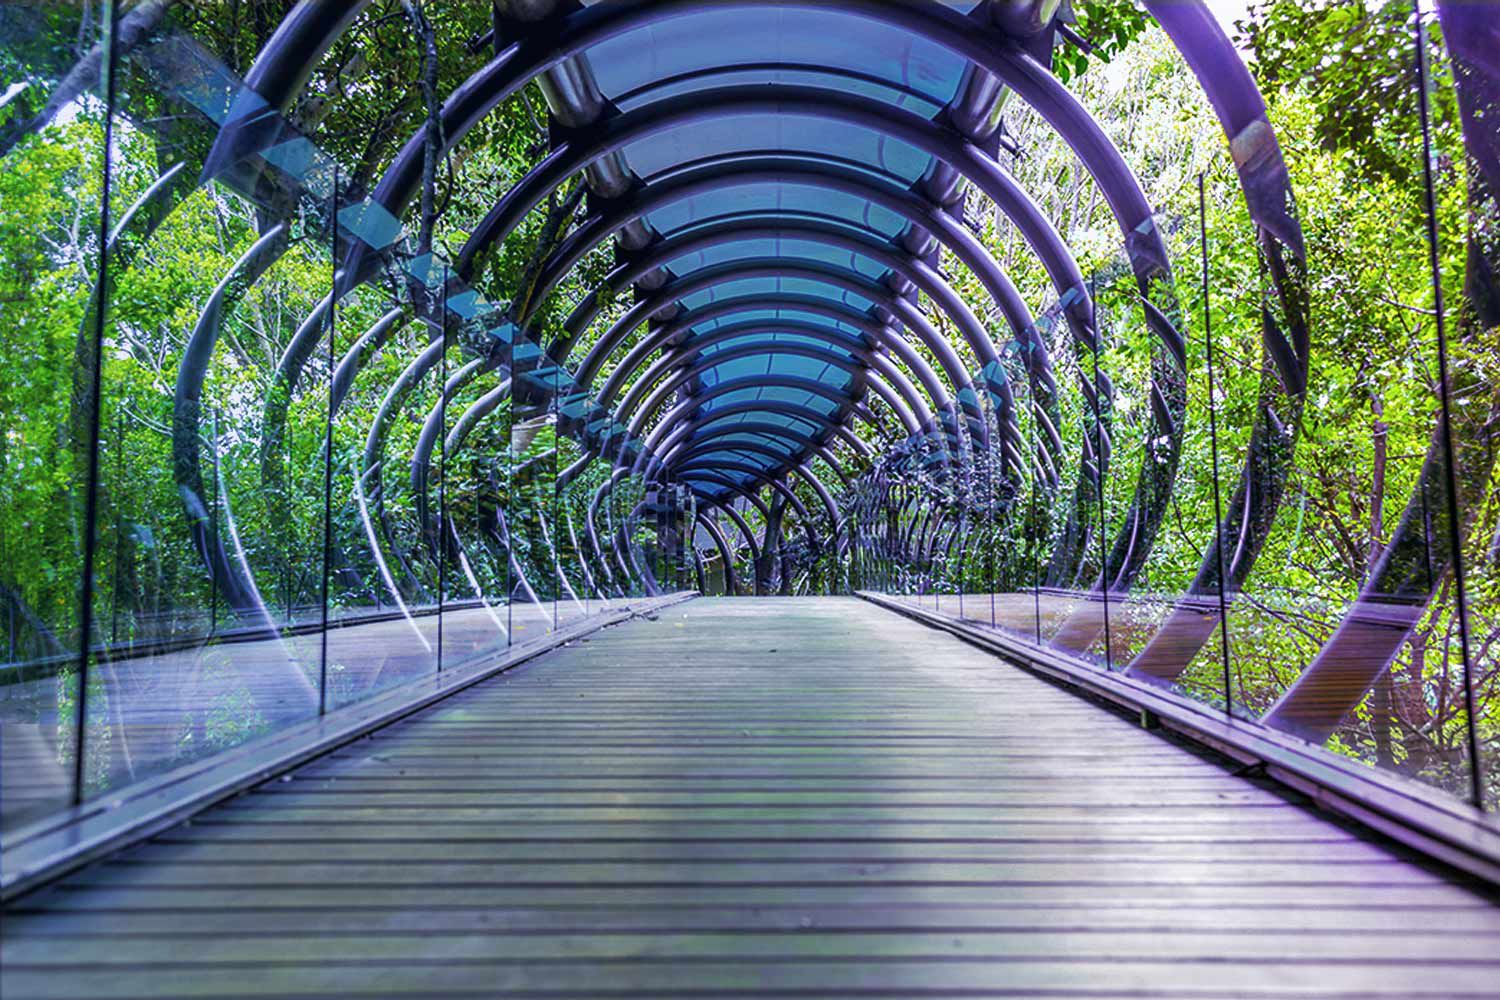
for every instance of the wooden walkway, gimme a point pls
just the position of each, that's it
(783, 798)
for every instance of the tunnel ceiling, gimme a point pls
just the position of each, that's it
(741, 262)
(747, 261)
(781, 184)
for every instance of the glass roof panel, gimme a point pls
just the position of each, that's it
(778, 393)
(801, 366)
(795, 365)
(752, 314)
(748, 287)
(810, 36)
(784, 338)
(765, 440)
(754, 458)
(784, 131)
(768, 197)
(785, 247)
(737, 368)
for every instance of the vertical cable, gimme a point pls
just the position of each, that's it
(119, 535)
(555, 541)
(989, 520)
(1099, 468)
(442, 532)
(1213, 444)
(286, 530)
(213, 572)
(333, 305)
(96, 406)
(1035, 543)
(1450, 473)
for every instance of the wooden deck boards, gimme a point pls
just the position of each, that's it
(811, 798)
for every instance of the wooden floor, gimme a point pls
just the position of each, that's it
(784, 798)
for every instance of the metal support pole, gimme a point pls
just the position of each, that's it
(1450, 474)
(1213, 443)
(95, 404)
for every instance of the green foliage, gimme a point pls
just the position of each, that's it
(1109, 26)
(1355, 64)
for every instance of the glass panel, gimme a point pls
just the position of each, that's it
(199, 521)
(473, 560)
(53, 211)
(1415, 718)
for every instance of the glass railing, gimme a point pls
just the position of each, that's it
(266, 454)
(1332, 413)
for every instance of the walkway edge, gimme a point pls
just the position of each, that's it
(44, 851)
(1445, 830)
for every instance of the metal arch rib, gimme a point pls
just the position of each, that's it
(923, 276)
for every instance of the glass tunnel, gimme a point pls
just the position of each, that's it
(354, 345)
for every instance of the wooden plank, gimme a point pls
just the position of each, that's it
(1474, 924)
(1416, 945)
(672, 808)
(831, 977)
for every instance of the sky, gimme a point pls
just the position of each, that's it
(1227, 11)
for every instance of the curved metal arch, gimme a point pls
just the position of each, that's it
(776, 480)
(429, 440)
(828, 458)
(740, 525)
(923, 134)
(945, 28)
(838, 312)
(694, 453)
(741, 270)
(830, 506)
(971, 26)
(571, 155)
(899, 383)
(239, 590)
(1123, 194)
(713, 233)
(731, 578)
(898, 393)
(604, 489)
(802, 472)
(676, 426)
(831, 426)
(825, 424)
(766, 479)
(919, 273)
(875, 120)
(812, 386)
(763, 439)
(547, 47)
(281, 69)
(1427, 543)
(944, 406)
(1269, 458)
(742, 169)
(482, 407)
(749, 268)
(686, 350)
(551, 44)
(734, 487)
